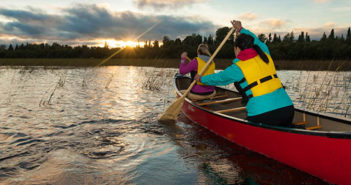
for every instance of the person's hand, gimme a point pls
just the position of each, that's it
(184, 54)
(183, 57)
(236, 24)
(197, 77)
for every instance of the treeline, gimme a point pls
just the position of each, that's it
(289, 47)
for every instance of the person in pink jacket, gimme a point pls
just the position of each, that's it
(199, 91)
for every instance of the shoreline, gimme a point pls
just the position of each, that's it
(309, 65)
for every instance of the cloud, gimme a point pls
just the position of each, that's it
(249, 16)
(342, 9)
(90, 22)
(275, 23)
(320, 1)
(169, 4)
(329, 24)
(272, 24)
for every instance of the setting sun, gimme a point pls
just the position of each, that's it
(120, 43)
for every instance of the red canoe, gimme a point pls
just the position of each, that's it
(322, 149)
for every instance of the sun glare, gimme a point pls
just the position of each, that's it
(121, 43)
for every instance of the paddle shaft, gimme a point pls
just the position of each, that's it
(209, 61)
(174, 109)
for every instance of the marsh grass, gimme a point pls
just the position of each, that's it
(155, 82)
(322, 91)
(327, 90)
(50, 92)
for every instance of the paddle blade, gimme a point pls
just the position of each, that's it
(170, 115)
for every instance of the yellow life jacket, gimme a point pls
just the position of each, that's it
(201, 64)
(261, 77)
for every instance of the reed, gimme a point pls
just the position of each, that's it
(323, 91)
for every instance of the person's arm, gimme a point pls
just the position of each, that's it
(238, 26)
(257, 41)
(186, 68)
(229, 75)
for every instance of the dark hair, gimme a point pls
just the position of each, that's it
(245, 41)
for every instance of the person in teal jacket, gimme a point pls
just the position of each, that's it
(254, 74)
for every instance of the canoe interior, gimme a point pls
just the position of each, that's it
(327, 123)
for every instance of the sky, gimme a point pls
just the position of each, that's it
(120, 22)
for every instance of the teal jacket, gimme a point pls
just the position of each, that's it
(256, 105)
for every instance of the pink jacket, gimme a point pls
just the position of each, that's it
(192, 66)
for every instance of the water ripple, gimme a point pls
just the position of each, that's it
(99, 126)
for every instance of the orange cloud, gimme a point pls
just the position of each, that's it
(329, 24)
(274, 23)
(247, 16)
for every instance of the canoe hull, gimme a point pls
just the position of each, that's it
(325, 157)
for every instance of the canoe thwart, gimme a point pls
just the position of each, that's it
(314, 127)
(225, 95)
(231, 110)
(301, 123)
(220, 96)
(304, 122)
(220, 101)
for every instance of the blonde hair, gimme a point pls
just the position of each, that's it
(202, 49)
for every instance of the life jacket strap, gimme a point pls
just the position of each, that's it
(242, 80)
(262, 80)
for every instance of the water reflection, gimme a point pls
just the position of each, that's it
(99, 126)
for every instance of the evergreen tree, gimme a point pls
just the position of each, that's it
(291, 38)
(301, 37)
(156, 44)
(198, 39)
(342, 37)
(178, 42)
(339, 48)
(275, 38)
(220, 34)
(286, 37)
(331, 35)
(269, 37)
(324, 37)
(166, 42)
(348, 35)
(205, 40)
(308, 39)
(10, 48)
(262, 37)
(189, 41)
(210, 40)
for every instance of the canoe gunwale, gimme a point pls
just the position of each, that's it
(329, 134)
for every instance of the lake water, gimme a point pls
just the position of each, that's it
(99, 126)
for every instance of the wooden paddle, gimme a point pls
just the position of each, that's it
(173, 110)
